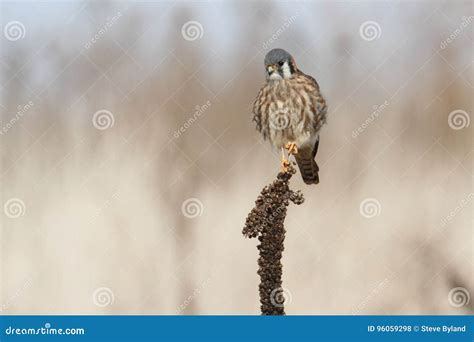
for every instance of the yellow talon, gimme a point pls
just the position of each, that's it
(292, 148)
(285, 163)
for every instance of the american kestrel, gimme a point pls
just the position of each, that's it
(290, 111)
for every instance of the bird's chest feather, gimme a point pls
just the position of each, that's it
(288, 113)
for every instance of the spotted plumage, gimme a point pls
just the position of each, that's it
(290, 109)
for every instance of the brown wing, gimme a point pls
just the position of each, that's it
(306, 157)
(259, 112)
(318, 104)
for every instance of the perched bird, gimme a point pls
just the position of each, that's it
(290, 111)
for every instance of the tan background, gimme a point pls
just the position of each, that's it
(100, 227)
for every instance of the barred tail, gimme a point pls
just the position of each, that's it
(307, 165)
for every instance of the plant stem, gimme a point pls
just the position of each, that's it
(266, 221)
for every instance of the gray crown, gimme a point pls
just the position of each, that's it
(276, 55)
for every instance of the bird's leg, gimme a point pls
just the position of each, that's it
(292, 150)
(284, 162)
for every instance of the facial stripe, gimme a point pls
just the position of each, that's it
(286, 70)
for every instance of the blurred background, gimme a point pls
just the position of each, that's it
(129, 159)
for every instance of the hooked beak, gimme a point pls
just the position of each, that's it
(272, 68)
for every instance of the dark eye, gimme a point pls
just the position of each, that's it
(281, 63)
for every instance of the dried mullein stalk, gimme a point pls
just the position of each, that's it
(266, 221)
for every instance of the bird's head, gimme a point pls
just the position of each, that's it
(279, 65)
